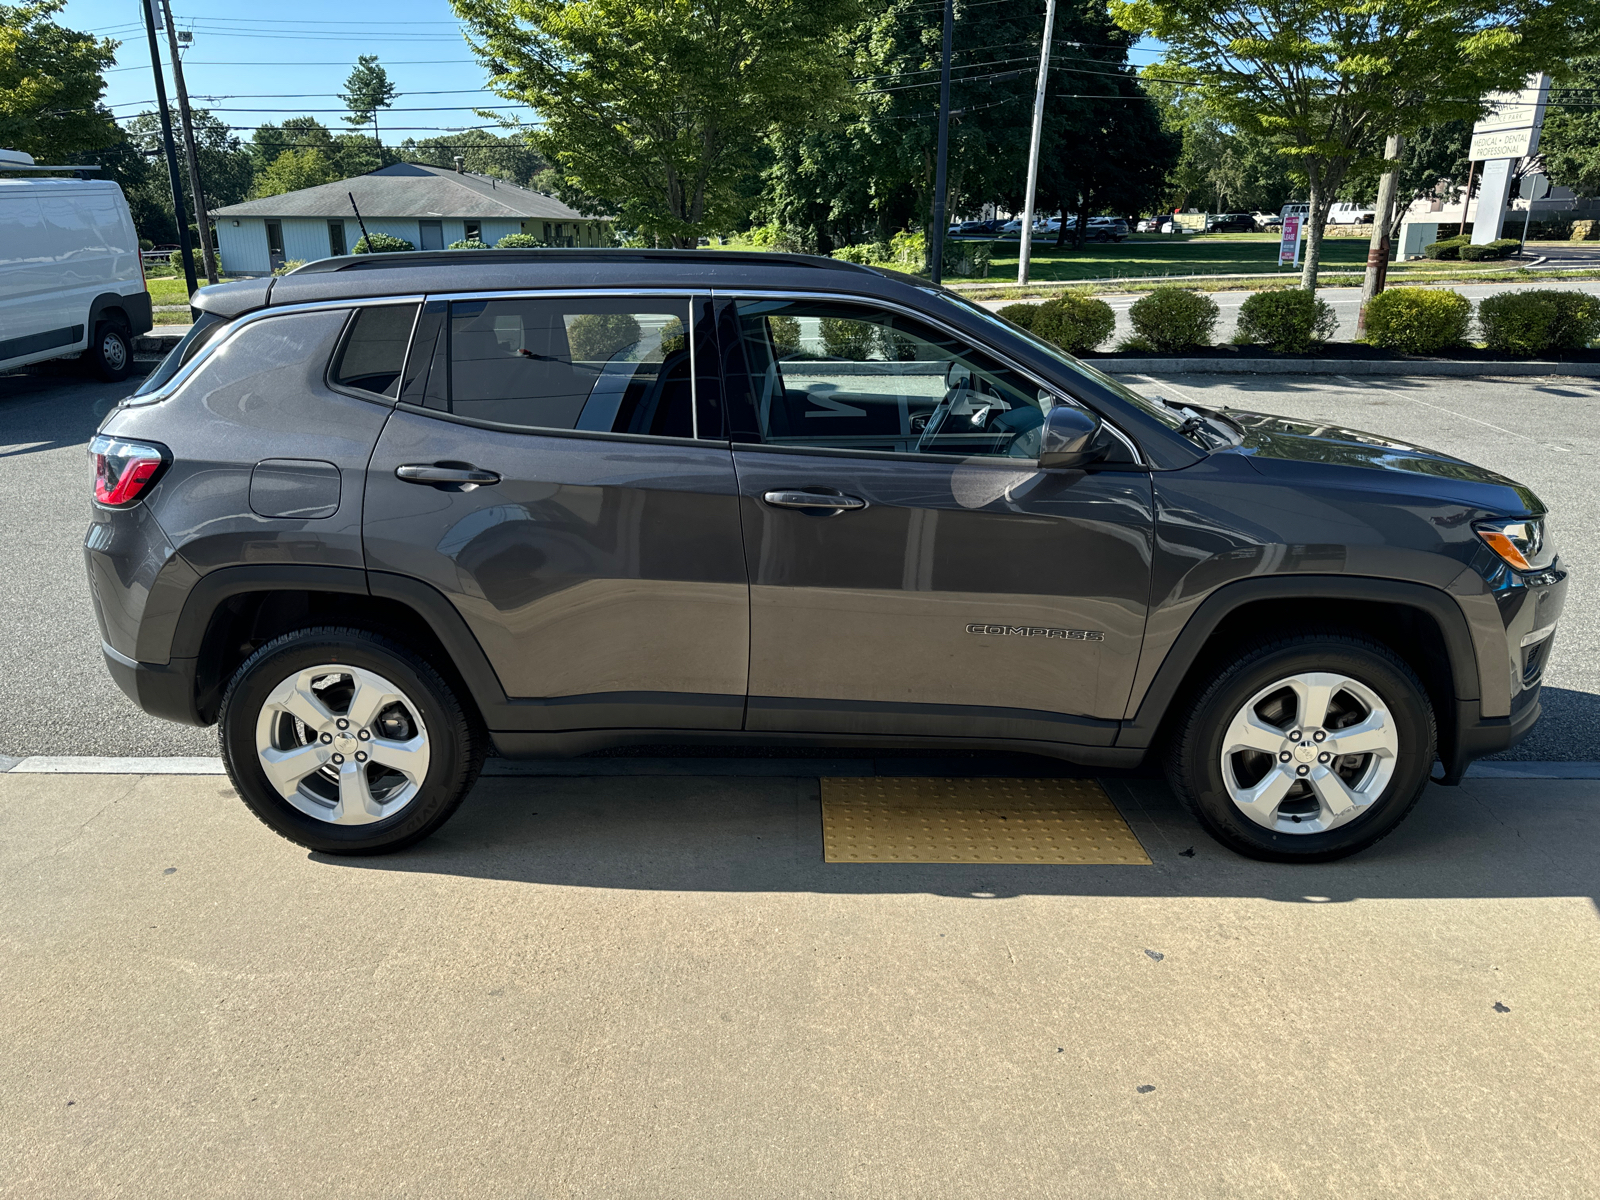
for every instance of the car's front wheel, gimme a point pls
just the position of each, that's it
(346, 742)
(1305, 748)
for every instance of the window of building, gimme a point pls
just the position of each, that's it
(374, 349)
(474, 231)
(335, 238)
(618, 366)
(848, 376)
(275, 242)
(431, 235)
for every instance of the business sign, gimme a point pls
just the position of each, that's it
(1510, 129)
(1289, 247)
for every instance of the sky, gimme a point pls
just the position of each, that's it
(293, 56)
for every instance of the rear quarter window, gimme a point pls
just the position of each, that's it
(373, 350)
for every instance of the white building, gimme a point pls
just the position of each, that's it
(430, 207)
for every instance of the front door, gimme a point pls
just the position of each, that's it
(543, 472)
(912, 570)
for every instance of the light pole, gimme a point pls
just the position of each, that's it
(202, 217)
(184, 245)
(941, 171)
(1025, 247)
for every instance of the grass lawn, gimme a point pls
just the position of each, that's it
(175, 291)
(1153, 254)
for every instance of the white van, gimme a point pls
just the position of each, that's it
(1342, 213)
(71, 280)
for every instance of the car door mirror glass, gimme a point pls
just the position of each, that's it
(1072, 438)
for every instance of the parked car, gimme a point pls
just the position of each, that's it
(1338, 214)
(1108, 229)
(71, 280)
(375, 518)
(1230, 223)
(1269, 222)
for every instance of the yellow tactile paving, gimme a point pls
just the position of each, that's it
(974, 821)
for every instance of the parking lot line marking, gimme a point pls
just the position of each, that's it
(46, 764)
(989, 820)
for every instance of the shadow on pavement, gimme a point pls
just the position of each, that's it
(1485, 839)
(51, 411)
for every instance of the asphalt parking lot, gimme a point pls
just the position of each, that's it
(60, 701)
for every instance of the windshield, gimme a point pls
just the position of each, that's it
(188, 346)
(1174, 416)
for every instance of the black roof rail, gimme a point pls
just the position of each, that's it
(456, 258)
(81, 169)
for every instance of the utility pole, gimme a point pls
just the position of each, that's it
(1378, 251)
(941, 171)
(1025, 247)
(202, 217)
(184, 245)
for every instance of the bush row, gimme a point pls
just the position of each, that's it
(1447, 249)
(383, 243)
(1412, 320)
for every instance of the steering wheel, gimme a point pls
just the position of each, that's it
(958, 381)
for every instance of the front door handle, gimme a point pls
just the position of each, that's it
(457, 476)
(813, 500)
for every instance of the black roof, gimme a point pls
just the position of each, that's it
(356, 276)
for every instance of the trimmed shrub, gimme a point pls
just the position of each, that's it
(1019, 314)
(1540, 320)
(468, 244)
(1290, 322)
(1174, 318)
(1446, 248)
(1418, 320)
(598, 337)
(519, 241)
(1076, 322)
(291, 265)
(1499, 248)
(785, 333)
(380, 243)
(851, 340)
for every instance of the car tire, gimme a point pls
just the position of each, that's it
(368, 748)
(1248, 760)
(110, 351)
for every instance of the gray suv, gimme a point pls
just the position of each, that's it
(383, 514)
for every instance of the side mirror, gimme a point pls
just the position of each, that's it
(1071, 439)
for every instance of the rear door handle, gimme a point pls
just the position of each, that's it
(796, 499)
(458, 475)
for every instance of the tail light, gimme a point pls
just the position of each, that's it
(125, 470)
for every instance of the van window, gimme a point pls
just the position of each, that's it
(374, 349)
(616, 366)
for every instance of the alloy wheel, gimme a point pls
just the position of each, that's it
(1309, 753)
(342, 744)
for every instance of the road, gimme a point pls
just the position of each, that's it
(59, 699)
(655, 987)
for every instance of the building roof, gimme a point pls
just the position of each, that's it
(410, 190)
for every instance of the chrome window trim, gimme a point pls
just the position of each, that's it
(928, 319)
(686, 294)
(250, 318)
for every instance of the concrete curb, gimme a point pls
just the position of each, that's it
(1333, 366)
(803, 768)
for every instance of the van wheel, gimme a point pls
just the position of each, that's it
(346, 742)
(111, 351)
(1305, 748)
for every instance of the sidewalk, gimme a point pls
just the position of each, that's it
(654, 985)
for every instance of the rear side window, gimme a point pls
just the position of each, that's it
(374, 349)
(611, 366)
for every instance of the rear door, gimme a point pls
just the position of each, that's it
(912, 570)
(548, 471)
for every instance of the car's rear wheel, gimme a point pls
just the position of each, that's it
(111, 351)
(1305, 748)
(346, 742)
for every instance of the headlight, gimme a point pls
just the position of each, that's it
(1519, 543)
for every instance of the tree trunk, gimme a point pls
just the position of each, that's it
(1316, 220)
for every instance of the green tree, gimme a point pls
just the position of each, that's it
(226, 169)
(508, 158)
(366, 90)
(1326, 80)
(1570, 141)
(293, 170)
(659, 110)
(51, 84)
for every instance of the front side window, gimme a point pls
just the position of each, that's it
(374, 349)
(605, 366)
(845, 376)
